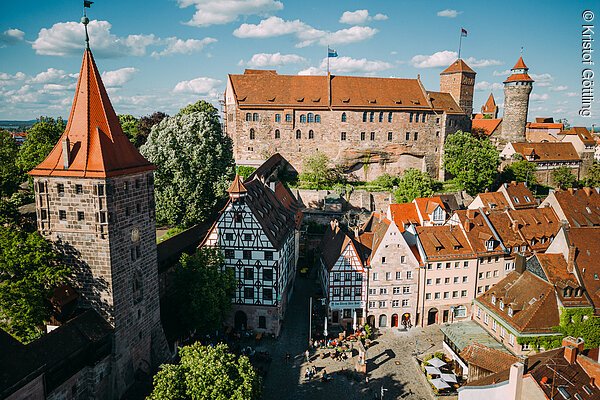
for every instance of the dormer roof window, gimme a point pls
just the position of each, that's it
(493, 299)
(489, 244)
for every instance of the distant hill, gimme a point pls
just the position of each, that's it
(16, 125)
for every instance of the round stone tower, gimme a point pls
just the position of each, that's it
(517, 88)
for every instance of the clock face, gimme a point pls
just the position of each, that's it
(135, 235)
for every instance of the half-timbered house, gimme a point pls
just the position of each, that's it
(257, 233)
(343, 275)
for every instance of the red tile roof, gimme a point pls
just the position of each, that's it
(404, 214)
(490, 106)
(98, 147)
(536, 223)
(547, 151)
(580, 206)
(489, 359)
(519, 78)
(519, 195)
(485, 126)
(544, 125)
(458, 66)
(556, 270)
(520, 64)
(334, 242)
(587, 258)
(426, 205)
(444, 242)
(584, 134)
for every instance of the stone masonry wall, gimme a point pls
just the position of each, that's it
(516, 105)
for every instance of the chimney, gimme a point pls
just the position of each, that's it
(577, 343)
(571, 258)
(520, 263)
(515, 382)
(467, 225)
(570, 354)
(356, 232)
(515, 225)
(66, 150)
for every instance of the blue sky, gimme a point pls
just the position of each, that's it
(160, 55)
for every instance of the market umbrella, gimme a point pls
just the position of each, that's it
(436, 362)
(439, 384)
(449, 377)
(325, 330)
(354, 321)
(433, 371)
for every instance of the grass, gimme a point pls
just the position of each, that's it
(170, 233)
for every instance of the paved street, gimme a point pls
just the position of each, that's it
(391, 361)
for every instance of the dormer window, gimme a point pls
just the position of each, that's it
(516, 199)
(501, 305)
(527, 199)
(438, 214)
(567, 292)
(578, 292)
(510, 311)
(493, 300)
(489, 245)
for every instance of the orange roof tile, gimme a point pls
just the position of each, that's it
(485, 126)
(404, 214)
(458, 66)
(237, 186)
(547, 151)
(98, 147)
(519, 195)
(520, 64)
(490, 105)
(519, 78)
(493, 200)
(535, 224)
(581, 206)
(556, 270)
(587, 259)
(427, 205)
(584, 134)
(545, 125)
(489, 359)
(443, 242)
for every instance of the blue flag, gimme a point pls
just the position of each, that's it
(331, 53)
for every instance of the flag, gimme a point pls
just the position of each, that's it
(87, 4)
(331, 53)
(463, 32)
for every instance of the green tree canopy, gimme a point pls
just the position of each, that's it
(316, 171)
(207, 373)
(206, 288)
(520, 171)
(200, 106)
(194, 161)
(563, 178)
(473, 161)
(386, 181)
(29, 269)
(10, 174)
(129, 124)
(413, 184)
(592, 179)
(145, 125)
(40, 140)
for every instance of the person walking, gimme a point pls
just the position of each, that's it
(307, 355)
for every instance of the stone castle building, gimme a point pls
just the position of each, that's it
(517, 88)
(95, 200)
(367, 125)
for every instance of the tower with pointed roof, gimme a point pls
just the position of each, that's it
(95, 200)
(459, 80)
(490, 109)
(517, 88)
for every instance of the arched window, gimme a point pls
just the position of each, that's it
(252, 134)
(317, 118)
(390, 116)
(255, 117)
(311, 134)
(381, 116)
(277, 117)
(298, 134)
(277, 134)
(365, 116)
(344, 117)
(303, 119)
(372, 116)
(311, 117)
(248, 117)
(138, 286)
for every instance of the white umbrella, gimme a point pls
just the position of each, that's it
(433, 371)
(449, 377)
(436, 362)
(325, 330)
(354, 322)
(439, 384)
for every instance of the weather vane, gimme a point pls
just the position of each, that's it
(85, 21)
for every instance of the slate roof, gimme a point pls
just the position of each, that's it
(98, 147)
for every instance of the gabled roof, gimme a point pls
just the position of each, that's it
(486, 126)
(584, 134)
(536, 223)
(373, 231)
(334, 242)
(557, 272)
(98, 148)
(444, 242)
(458, 66)
(519, 78)
(518, 194)
(547, 151)
(545, 125)
(487, 358)
(580, 206)
(490, 106)
(587, 258)
(426, 205)
(503, 226)
(404, 214)
(479, 231)
(444, 102)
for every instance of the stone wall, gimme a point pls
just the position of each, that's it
(516, 105)
(361, 199)
(460, 85)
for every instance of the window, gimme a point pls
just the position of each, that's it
(402, 259)
(248, 117)
(407, 135)
(511, 339)
(267, 274)
(501, 305)
(375, 276)
(362, 136)
(494, 325)
(485, 318)
(277, 117)
(466, 264)
(229, 253)
(41, 187)
(247, 254)
(61, 189)
(303, 119)
(44, 214)
(409, 275)
(398, 275)
(417, 117)
(446, 295)
(255, 117)
(460, 311)
(489, 245)
(437, 295)
(438, 214)
(493, 300)
(298, 134)
(423, 117)
(395, 303)
(428, 281)
(382, 304)
(347, 291)
(336, 291)
(390, 136)
(229, 236)
(438, 266)
(456, 279)
(343, 136)
(463, 293)
(410, 118)
(465, 279)
(358, 276)
(390, 116)
(381, 116)
(78, 189)
(527, 199)
(357, 291)
(406, 290)
(100, 190)
(372, 116)
(80, 216)
(337, 276)
(427, 296)
(416, 135)
(478, 312)
(383, 291)
(348, 276)
(372, 135)
(372, 291)
(277, 134)
(249, 293)
(488, 274)
(371, 304)
(288, 117)
(268, 255)
(365, 116)
(479, 289)
(262, 320)
(454, 294)
(502, 331)
(249, 273)
(404, 302)
(446, 281)
(311, 134)
(311, 117)
(496, 273)
(396, 290)
(388, 276)
(438, 281)
(448, 265)
(344, 117)
(62, 215)
(252, 135)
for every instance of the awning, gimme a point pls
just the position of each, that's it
(436, 362)
(433, 371)
(448, 377)
(439, 384)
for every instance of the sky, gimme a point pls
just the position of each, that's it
(159, 55)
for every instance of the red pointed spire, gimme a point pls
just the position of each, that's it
(490, 105)
(520, 64)
(93, 138)
(458, 66)
(237, 187)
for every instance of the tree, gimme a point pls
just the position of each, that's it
(316, 171)
(473, 161)
(207, 373)
(194, 161)
(413, 184)
(10, 174)
(564, 178)
(592, 179)
(244, 171)
(206, 287)
(145, 125)
(41, 138)
(520, 171)
(200, 106)
(29, 269)
(129, 124)
(385, 181)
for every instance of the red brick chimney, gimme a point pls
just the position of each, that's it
(571, 259)
(572, 347)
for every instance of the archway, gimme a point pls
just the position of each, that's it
(240, 320)
(406, 320)
(432, 316)
(394, 320)
(382, 321)
(371, 321)
(262, 322)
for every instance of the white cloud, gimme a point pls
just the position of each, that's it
(572, 94)
(266, 60)
(486, 86)
(8, 79)
(306, 34)
(11, 36)
(353, 65)
(180, 46)
(312, 71)
(216, 12)
(506, 72)
(51, 75)
(560, 88)
(360, 17)
(542, 80)
(118, 77)
(446, 57)
(200, 85)
(539, 97)
(448, 13)
(473, 62)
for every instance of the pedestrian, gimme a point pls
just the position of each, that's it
(307, 355)
(288, 356)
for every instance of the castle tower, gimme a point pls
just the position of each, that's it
(490, 109)
(95, 200)
(459, 80)
(517, 88)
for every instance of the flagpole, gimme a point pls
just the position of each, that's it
(327, 59)
(460, 42)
